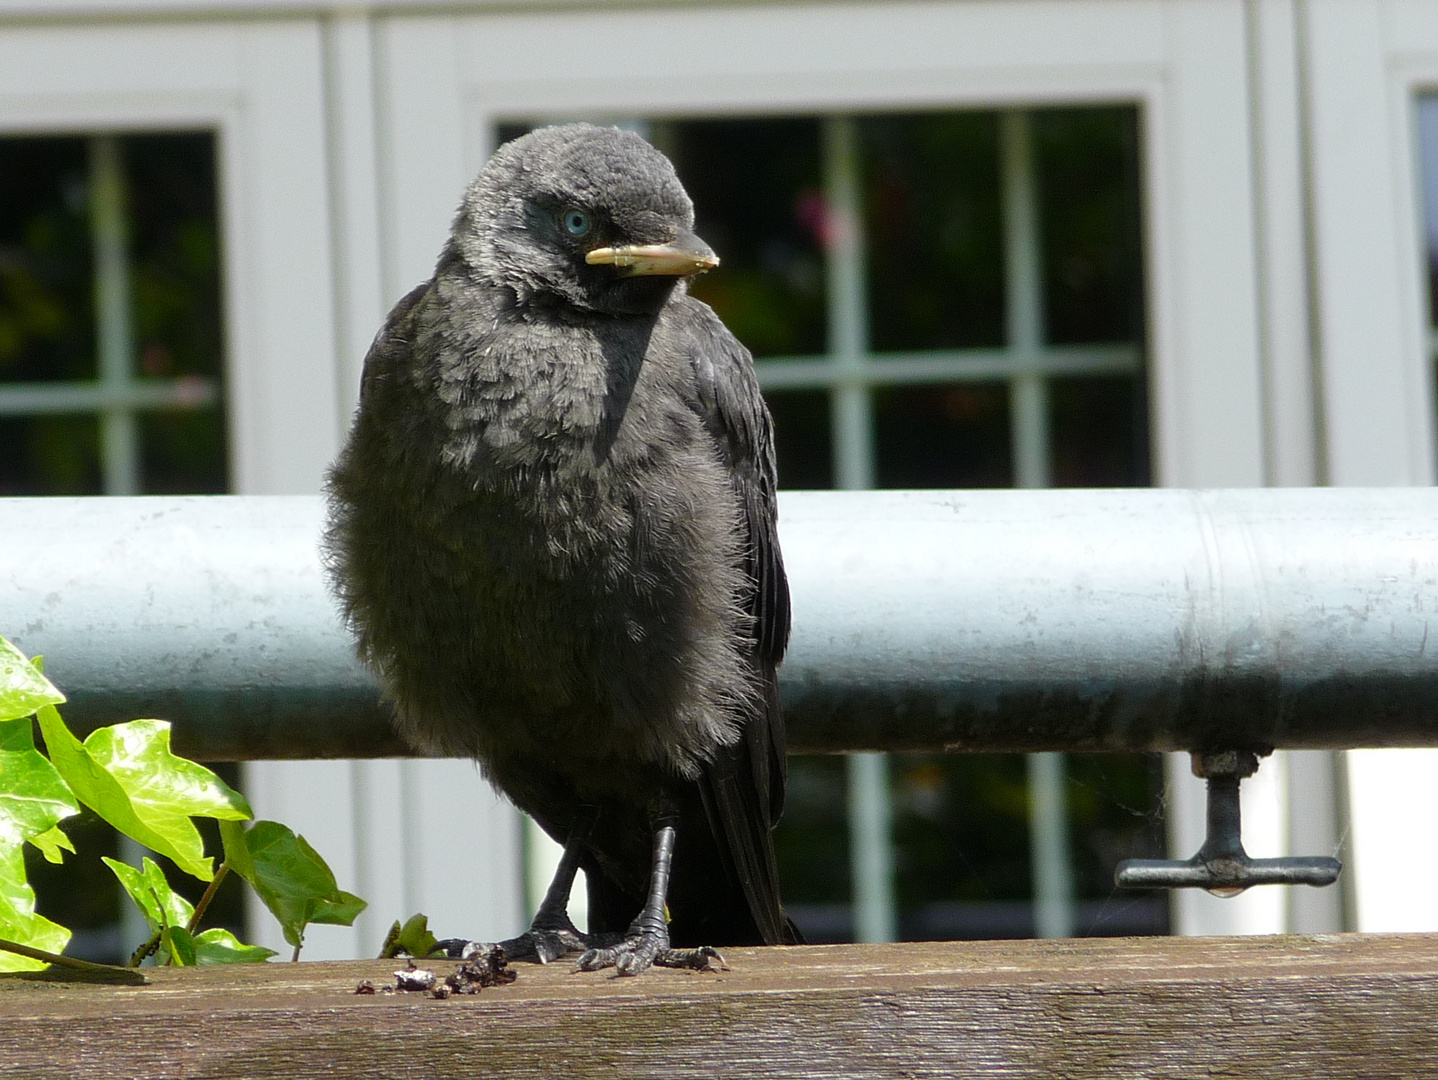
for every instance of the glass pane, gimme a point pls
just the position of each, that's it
(962, 833)
(1099, 431)
(802, 436)
(178, 315)
(756, 187)
(47, 317)
(1090, 219)
(47, 325)
(935, 230)
(183, 453)
(50, 455)
(812, 845)
(1428, 151)
(953, 436)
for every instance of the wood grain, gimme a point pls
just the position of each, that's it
(1329, 1006)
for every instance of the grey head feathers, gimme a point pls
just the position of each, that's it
(549, 197)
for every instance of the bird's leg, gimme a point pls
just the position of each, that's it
(647, 941)
(551, 933)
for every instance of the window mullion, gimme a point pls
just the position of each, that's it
(848, 308)
(1028, 391)
(119, 441)
(870, 809)
(1029, 426)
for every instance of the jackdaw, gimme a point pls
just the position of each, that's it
(553, 531)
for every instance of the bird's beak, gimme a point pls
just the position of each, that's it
(684, 256)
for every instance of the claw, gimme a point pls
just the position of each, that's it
(639, 952)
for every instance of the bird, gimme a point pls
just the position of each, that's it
(553, 531)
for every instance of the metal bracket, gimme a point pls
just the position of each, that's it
(1222, 866)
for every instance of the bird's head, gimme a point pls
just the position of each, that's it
(590, 216)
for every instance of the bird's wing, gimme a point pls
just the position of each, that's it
(733, 409)
(743, 789)
(391, 346)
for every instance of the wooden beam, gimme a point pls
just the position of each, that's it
(1272, 1007)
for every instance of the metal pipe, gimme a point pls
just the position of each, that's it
(924, 621)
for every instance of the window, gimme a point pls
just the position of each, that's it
(1428, 153)
(110, 318)
(110, 373)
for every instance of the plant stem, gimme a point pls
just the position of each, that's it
(108, 972)
(147, 949)
(209, 895)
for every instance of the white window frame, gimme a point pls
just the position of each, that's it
(259, 87)
(1367, 60)
(448, 79)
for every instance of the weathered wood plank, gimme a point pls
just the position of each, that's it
(1342, 1005)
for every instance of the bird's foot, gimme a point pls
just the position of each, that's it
(545, 940)
(637, 952)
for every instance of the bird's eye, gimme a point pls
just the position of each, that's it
(576, 222)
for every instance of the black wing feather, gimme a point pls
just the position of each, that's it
(743, 788)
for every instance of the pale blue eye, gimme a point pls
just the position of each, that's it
(576, 222)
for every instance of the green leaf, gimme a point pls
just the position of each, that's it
(23, 688)
(160, 904)
(341, 909)
(17, 734)
(53, 844)
(411, 939)
(237, 852)
(138, 755)
(18, 921)
(219, 946)
(177, 942)
(33, 797)
(294, 882)
(131, 779)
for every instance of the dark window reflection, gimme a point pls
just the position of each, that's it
(1428, 150)
(50, 455)
(954, 436)
(756, 187)
(962, 833)
(1098, 431)
(935, 231)
(47, 326)
(1089, 217)
(802, 436)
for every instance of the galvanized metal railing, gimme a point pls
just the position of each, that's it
(1207, 621)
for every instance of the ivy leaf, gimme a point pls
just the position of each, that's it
(218, 946)
(341, 909)
(237, 852)
(132, 780)
(411, 939)
(293, 881)
(138, 755)
(23, 687)
(33, 799)
(18, 920)
(17, 735)
(160, 904)
(177, 942)
(53, 844)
